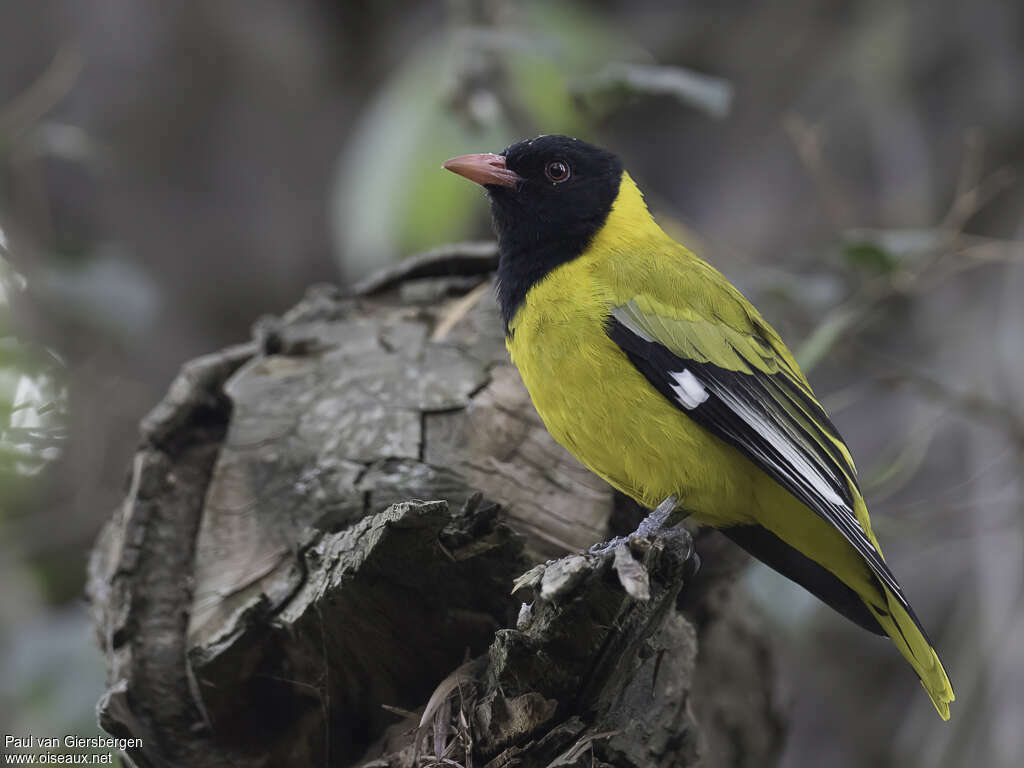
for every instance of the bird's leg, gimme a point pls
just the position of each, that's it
(655, 521)
(651, 525)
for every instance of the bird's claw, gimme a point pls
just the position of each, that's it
(604, 547)
(651, 526)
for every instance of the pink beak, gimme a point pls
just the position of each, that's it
(484, 170)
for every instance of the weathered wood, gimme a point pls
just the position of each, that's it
(323, 524)
(458, 260)
(140, 572)
(589, 676)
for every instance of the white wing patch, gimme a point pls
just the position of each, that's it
(744, 411)
(689, 391)
(802, 471)
(805, 475)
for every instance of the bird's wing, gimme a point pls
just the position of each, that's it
(730, 372)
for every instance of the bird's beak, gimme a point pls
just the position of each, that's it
(485, 170)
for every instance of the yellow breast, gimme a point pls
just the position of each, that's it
(596, 404)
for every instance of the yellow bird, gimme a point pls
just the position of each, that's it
(659, 376)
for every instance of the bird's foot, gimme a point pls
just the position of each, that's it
(650, 526)
(604, 547)
(631, 555)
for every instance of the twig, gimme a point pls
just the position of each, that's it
(970, 404)
(481, 94)
(46, 92)
(973, 192)
(809, 145)
(458, 310)
(712, 95)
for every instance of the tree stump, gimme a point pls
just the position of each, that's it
(316, 559)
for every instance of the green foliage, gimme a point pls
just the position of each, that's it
(869, 257)
(476, 89)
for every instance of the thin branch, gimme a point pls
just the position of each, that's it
(711, 95)
(43, 95)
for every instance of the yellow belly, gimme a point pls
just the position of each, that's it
(596, 404)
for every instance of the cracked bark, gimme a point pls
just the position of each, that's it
(314, 560)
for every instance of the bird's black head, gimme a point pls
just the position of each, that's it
(549, 197)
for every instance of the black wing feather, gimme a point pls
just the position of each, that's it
(730, 395)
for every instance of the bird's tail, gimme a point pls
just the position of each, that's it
(841, 577)
(916, 648)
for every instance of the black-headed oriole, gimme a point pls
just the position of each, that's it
(659, 376)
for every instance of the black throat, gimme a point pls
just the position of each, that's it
(547, 219)
(524, 261)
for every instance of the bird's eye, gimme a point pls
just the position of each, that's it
(557, 171)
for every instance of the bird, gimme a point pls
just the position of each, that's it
(660, 377)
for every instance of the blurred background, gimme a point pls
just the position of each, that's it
(172, 170)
